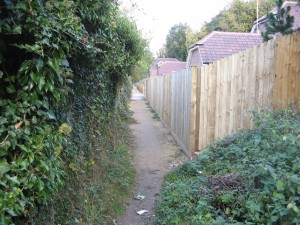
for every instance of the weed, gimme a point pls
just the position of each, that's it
(156, 116)
(252, 177)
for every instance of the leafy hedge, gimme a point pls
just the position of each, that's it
(63, 65)
(252, 177)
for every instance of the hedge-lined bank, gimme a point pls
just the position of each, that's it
(64, 68)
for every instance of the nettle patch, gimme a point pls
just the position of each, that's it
(252, 177)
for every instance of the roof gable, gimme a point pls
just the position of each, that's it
(158, 60)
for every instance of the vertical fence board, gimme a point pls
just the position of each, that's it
(211, 102)
(198, 95)
(201, 108)
(218, 100)
(232, 93)
(193, 111)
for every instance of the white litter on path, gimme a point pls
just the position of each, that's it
(141, 212)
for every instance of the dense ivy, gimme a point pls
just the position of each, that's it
(62, 64)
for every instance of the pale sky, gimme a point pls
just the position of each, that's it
(155, 17)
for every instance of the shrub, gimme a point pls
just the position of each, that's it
(249, 178)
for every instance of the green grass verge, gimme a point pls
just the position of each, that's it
(252, 177)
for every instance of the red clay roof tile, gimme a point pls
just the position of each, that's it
(168, 67)
(218, 45)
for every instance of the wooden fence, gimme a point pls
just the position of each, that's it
(205, 104)
(170, 97)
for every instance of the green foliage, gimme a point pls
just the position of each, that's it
(99, 183)
(161, 52)
(191, 37)
(156, 117)
(176, 42)
(141, 69)
(238, 16)
(280, 22)
(30, 140)
(249, 178)
(63, 64)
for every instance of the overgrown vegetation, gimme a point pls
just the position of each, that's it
(141, 69)
(64, 86)
(252, 177)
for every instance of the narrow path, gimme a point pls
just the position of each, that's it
(155, 154)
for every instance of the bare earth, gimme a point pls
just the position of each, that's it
(155, 154)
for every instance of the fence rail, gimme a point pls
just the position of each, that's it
(205, 104)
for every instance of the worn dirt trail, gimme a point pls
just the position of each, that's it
(155, 153)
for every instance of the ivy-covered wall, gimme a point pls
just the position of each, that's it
(64, 68)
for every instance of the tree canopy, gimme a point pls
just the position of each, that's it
(239, 16)
(176, 42)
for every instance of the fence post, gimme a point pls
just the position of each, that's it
(192, 116)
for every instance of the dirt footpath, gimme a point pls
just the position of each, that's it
(155, 154)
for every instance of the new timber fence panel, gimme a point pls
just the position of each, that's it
(231, 89)
(287, 65)
(180, 103)
(170, 97)
(205, 104)
(194, 113)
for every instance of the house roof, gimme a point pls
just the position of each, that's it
(295, 12)
(160, 60)
(170, 66)
(218, 45)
